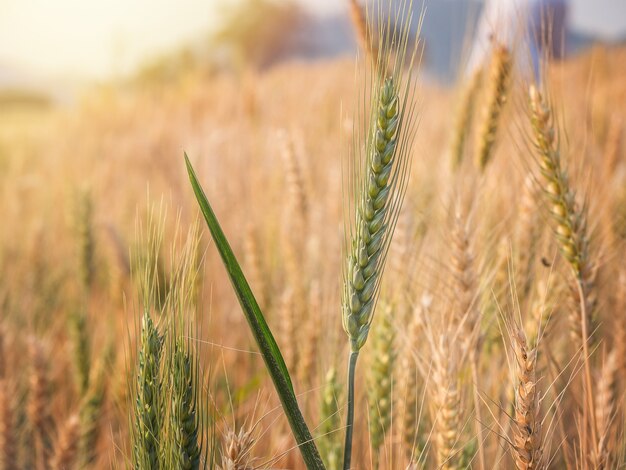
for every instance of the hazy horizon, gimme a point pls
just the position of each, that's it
(115, 37)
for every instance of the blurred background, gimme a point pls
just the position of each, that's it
(49, 50)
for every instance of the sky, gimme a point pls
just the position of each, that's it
(95, 39)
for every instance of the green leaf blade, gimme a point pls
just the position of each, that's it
(262, 334)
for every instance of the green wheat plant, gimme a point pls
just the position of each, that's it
(166, 430)
(376, 181)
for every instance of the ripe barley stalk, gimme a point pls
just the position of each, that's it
(571, 227)
(377, 178)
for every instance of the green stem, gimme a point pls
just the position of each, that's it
(347, 452)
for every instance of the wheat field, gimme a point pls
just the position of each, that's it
(499, 335)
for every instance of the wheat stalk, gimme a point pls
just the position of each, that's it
(66, 447)
(447, 402)
(237, 448)
(410, 423)
(363, 33)
(605, 412)
(181, 447)
(148, 413)
(496, 94)
(464, 117)
(8, 429)
(90, 413)
(570, 221)
(39, 404)
(254, 266)
(81, 349)
(371, 236)
(86, 239)
(378, 180)
(380, 380)
(330, 421)
(527, 442)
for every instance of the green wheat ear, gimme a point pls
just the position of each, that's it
(182, 446)
(367, 255)
(377, 179)
(147, 404)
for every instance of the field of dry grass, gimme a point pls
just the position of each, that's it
(475, 350)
